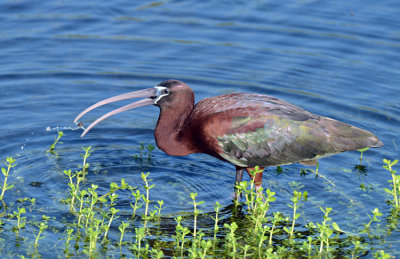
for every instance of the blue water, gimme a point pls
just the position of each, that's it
(338, 59)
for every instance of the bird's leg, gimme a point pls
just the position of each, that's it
(238, 179)
(257, 178)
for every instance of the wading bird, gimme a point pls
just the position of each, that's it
(245, 129)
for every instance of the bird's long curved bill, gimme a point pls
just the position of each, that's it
(151, 92)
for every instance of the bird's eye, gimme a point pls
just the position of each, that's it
(165, 91)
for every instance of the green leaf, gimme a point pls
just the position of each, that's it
(124, 185)
(103, 200)
(113, 186)
(305, 195)
(386, 161)
(44, 217)
(10, 160)
(4, 171)
(193, 195)
(286, 230)
(9, 187)
(363, 149)
(336, 227)
(388, 191)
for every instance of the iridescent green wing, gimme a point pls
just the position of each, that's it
(272, 139)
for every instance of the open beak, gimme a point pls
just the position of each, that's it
(151, 93)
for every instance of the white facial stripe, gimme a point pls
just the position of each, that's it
(159, 95)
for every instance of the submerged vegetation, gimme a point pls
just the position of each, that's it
(248, 228)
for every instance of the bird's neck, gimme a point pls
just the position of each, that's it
(170, 134)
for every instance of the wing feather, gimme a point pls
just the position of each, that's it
(250, 130)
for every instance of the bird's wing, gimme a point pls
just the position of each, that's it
(262, 130)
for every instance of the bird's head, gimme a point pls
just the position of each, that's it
(168, 94)
(173, 94)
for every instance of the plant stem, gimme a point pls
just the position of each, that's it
(195, 220)
(53, 146)
(10, 164)
(396, 200)
(293, 222)
(217, 207)
(147, 198)
(85, 165)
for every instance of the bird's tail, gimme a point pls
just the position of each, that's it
(348, 137)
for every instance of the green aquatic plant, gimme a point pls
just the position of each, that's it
(149, 148)
(32, 201)
(375, 218)
(42, 227)
(196, 211)
(249, 194)
(194, 251)
(325, 230)
(158, 254)
(259, 216)
(140, 234)
(304, 172)
(79, 176)
(122, 228)
(395, 182)
(136, 205)
(6, 172)
(146, 198)
(21, 221)
(231, 239)
(68, 239)
(205, 245)
(278, 217)
(180, 234)
(142, 147)
(85, 164)
(157, 212)
(113, 188)
(362, 150)
(93, 232)
(82, 211)
(113, 212)
(296, 199)
(358, 246)
(217, 206)
(261, 238)
(88, 211)
(382, 255)
(53, 146)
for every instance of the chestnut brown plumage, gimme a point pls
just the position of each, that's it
(247, 130)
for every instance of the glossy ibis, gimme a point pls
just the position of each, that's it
(245, 129)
